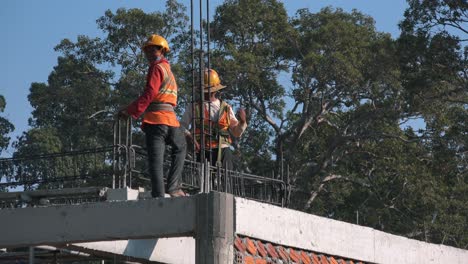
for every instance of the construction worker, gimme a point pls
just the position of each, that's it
(223, 123)
(160, 123)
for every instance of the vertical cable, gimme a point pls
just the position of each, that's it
(210, 123)
(31, 255)
(130, 155)
(202, 125)
(193, 82)
(114, 153)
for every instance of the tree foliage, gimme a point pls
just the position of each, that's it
(339, 123)
(5, 127)
(437, 15)
(433, 62)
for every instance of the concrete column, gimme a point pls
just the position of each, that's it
(214, 231)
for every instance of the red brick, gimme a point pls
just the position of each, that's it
(315, 259)
(261, 249)
(341, 261)
(323, 259)
(239, 245)
(294, 256)
(332, 260)
(272, 251)
(260, 261)
(251, 248)
(248, 260)
(282, 253)
(305, 258)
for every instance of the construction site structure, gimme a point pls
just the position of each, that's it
(205, 228)
(92, 205)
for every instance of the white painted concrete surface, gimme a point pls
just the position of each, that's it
(397, 249)
(163, 250)
(305, 231)
(179, 250)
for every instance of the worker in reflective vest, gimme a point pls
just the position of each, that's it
(160, 123)
(223, 123)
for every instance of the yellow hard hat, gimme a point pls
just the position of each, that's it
(156, 40)
(214, 82)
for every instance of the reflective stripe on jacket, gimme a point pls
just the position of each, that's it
(167, 95)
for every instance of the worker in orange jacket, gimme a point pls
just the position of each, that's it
(160, 123)
(224, 123)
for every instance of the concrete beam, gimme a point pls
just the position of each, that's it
(213, 244)
(28, 196)
(98, 222)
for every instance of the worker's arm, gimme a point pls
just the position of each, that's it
(154, 79)
(237, 127)
(186, 120)
(185, 123)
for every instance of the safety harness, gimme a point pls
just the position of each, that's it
(219, 129)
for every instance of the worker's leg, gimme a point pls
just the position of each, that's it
(212, 155)
(155, 145)
(227, 158)
(178, 143)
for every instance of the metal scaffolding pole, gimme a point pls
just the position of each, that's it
(31, 255)
(208, 66)
(194, 157)
(201, 99)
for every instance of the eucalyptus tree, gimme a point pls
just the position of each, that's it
(433, 58)
(119, 51)
(437, 15)
(348, 102)
(344, 78)
(6, 127)
(248, 39)
(62, 122)
(336, 121)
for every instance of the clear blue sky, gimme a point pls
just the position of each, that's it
(30, 29)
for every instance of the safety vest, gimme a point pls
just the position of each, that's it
(167, 95)
(219, 130)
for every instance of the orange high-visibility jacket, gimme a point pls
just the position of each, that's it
(168, 95)
(220, 129)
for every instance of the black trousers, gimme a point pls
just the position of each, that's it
(157, 137)
(226, 157)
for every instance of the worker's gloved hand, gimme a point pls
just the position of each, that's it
(122, 114)
(197, 146)
(242, 116)
(190, 140)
